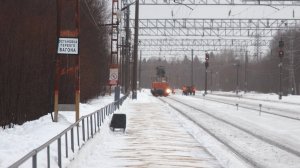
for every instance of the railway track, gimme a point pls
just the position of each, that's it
(293, 115)
(271, 101)
(203, 119)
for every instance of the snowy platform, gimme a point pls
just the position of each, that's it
(152, 139)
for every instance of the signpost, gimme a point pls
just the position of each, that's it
(67, 44)
(113, 75)
(114, 79)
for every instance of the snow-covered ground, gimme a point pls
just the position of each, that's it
(273, 129)
(153, 138)
(261, 96)
(18, 141)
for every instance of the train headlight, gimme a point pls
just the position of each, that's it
(168, 91)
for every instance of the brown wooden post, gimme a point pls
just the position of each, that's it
(77, 72)
(68, 35)
(57, 61)
(56, 87)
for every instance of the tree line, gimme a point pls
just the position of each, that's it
(27, 57)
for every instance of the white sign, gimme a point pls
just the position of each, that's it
(67, 46)
(113, 76)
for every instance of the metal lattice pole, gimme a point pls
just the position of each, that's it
(135, 51)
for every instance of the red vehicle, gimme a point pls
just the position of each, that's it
(188, 90)
(160, 89)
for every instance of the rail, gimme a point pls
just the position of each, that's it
(90, 125)
(259, 108)
(222, 139)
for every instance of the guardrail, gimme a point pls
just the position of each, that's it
(85, 128)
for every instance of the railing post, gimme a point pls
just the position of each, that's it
(107, 109)
(78, 139)
(98, 119)
(111, 108)
(101, 116)
(59, 152)
(87, 128)
(34, 162)
(95, 123)
(104, 113)
(83, 130)
(66, 141)
(48, 156)
(72, 139)
(91, 121)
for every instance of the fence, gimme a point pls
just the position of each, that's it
(85, 128)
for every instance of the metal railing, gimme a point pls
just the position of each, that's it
(81, 131)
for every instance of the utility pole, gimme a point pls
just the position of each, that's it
(115, 33)
(257, 48)
(257, 37)
(206, 66)
(140, 70)
(281, 54)
(237, 77)
(245, 80)
(280, 79)
(123, 54)
(135, 51)
(192, 69)
(127, 51)
(114, 56)
(211, 81)
(205, 87)
(292, 82)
